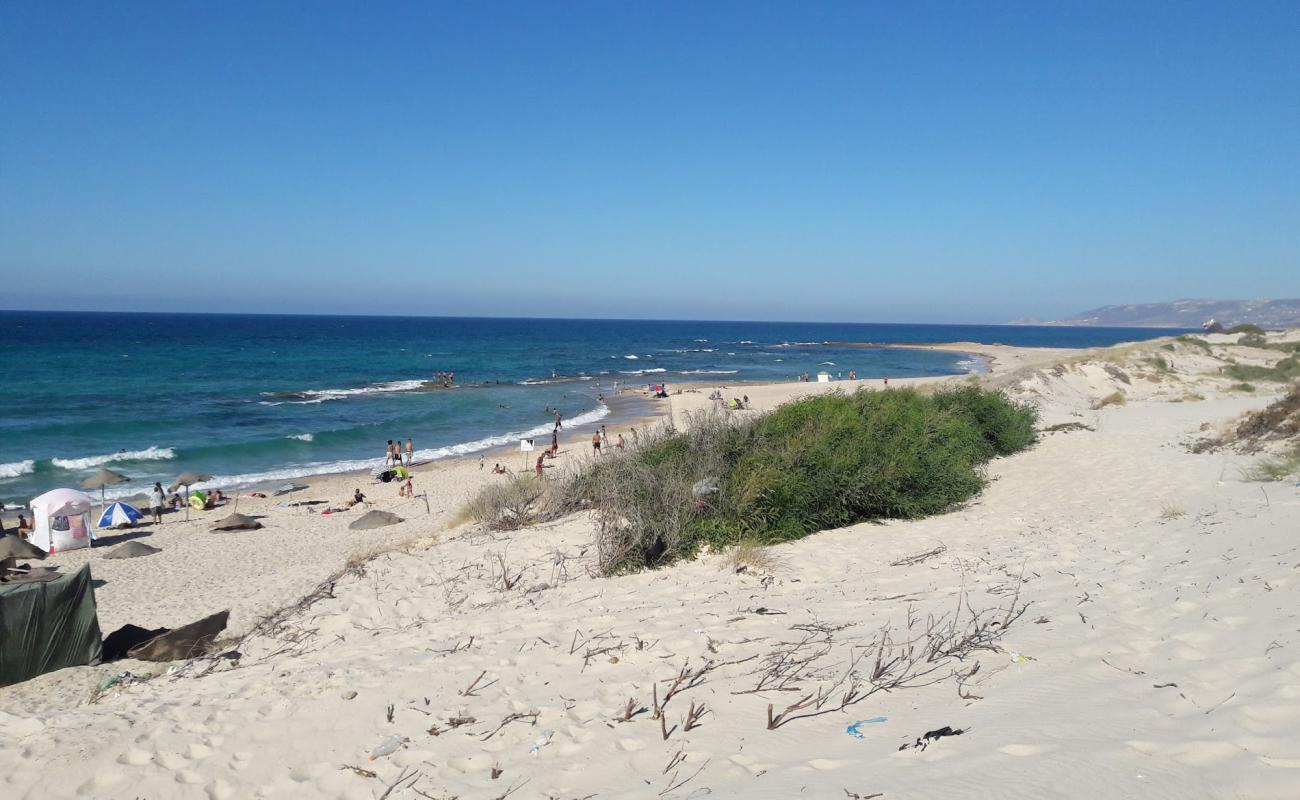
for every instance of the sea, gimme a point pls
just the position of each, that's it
(256, 400)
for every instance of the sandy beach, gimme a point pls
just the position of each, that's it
(1140, 604)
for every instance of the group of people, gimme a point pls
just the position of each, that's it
(444, 379)
(395, 457)
(601, 438)
(734, 404)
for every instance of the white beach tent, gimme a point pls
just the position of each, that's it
(61, 520)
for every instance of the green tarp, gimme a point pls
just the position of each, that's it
(47, 625)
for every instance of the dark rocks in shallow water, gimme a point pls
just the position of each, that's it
(132, 550)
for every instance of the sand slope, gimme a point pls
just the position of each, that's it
(1160, 654)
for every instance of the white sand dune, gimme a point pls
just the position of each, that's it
(1158, 656)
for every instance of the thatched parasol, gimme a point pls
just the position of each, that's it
(102, 478)
(13, 548)
(186, 479)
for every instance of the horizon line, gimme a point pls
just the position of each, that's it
(1042, 324)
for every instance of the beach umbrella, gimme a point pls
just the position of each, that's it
(119, 514)
(186, 479)
(102, 478)
(237, 522)
(13, 548)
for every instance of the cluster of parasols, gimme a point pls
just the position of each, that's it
(120, 513)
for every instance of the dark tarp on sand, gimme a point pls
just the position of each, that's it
(47, 626)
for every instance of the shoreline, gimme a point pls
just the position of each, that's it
(1117, 566)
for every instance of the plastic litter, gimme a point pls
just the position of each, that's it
(855, 730)
(1017, 658)
(541, 742)
(388, 746)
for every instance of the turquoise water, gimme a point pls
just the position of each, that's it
(261, 399)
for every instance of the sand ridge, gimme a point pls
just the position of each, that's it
(1157, 655)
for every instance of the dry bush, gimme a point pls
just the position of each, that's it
(1112, 399)
(750, 556)
(517, 501)
(1171, 511)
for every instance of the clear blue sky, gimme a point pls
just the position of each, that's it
(758, 160)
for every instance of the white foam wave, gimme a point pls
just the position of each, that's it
(302, 437)
(631, 358)
(149, 454)
(356, 465)
(710, 371)
(642, 371)
(701, 340)
(825, 363)
(15, 468)
(315, 396)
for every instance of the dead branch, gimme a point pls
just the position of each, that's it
(530, 715)
(908, 561)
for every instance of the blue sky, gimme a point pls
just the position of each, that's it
(855, 162)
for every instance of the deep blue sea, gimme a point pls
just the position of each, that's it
(258, 399)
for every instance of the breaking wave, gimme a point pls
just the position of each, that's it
(314, 396)
(421, 456)
(149, 454)
(15, 468)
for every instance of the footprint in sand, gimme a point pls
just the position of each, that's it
(136, 758)
(1023, 749)
(96, 786)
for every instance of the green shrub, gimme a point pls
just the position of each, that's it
(1195, 342)
(816, 463)
(1287, 369)
(1246, 328)
(1276, 468)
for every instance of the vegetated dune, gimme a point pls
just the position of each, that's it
(1112, 616)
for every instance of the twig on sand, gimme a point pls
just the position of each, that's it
(513, 788)
(693, 716)
(674, 784)
(911, 560)
(365, 773)
(530, 715)
(1221, 702)
(408, 776)
(473, 689)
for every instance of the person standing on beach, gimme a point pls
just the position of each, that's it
(559, 419)
(595, 442)
(157, 499)
(410, 451)
(388, 458)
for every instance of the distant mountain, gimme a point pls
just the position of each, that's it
(1188, 314)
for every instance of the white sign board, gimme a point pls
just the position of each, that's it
(525, 445)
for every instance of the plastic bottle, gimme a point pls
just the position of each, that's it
(388, 746)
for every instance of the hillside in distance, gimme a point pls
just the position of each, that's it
(1188, 314)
